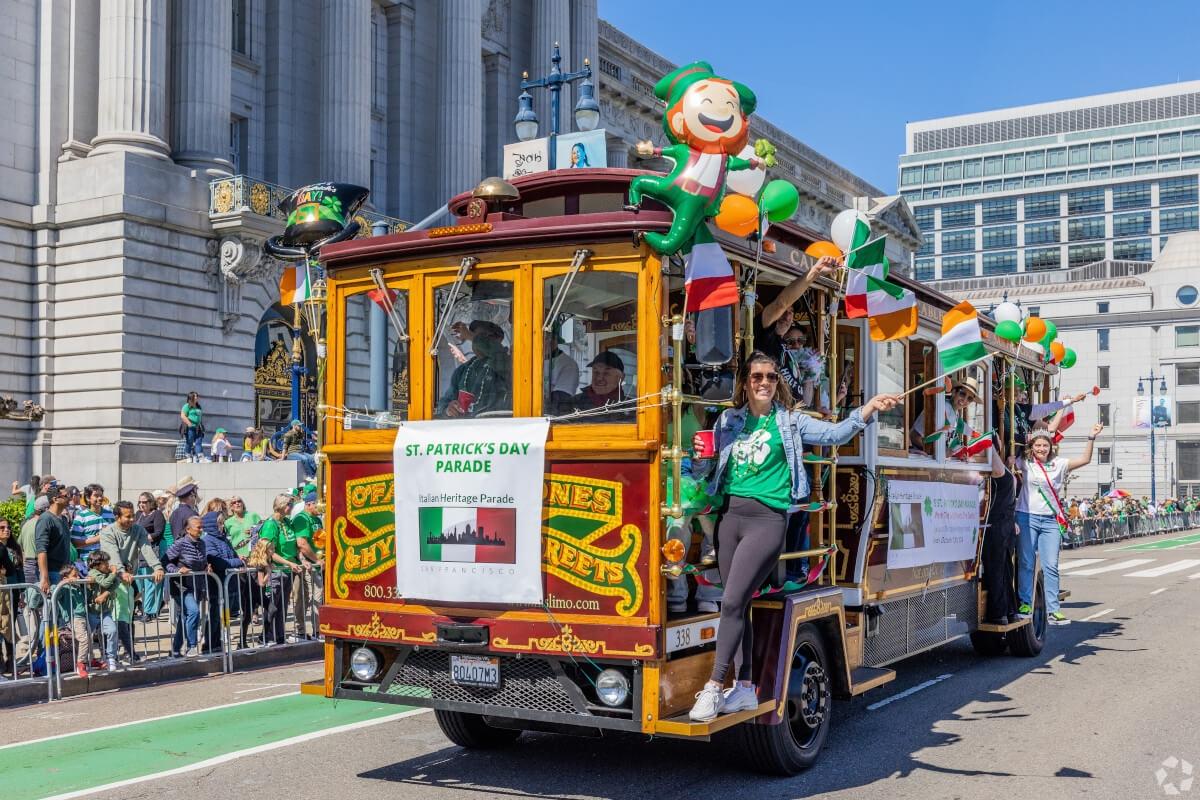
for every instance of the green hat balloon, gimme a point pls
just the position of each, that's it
(1009, 331)
(779, 200)
(1068, 359)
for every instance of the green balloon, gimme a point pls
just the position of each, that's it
(1009, 331)
(1051, 334)
(779, 200)
(1068, 359)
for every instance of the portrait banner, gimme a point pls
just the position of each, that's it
(930, 523)
(468, 505)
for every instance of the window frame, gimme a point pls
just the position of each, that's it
(1103, 376)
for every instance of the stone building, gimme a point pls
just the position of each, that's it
(150, 142)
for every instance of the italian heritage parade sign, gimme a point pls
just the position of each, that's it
(930, 523)
(468, 500)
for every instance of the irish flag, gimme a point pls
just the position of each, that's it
(708, 277)
(961, 343)
(294, 285)
(891, 310)
(468, 535)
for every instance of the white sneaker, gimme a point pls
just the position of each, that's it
(191, 652)
(707, 607)
(709, 703)
(740, 698)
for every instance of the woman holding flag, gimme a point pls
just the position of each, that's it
(760, 474)
(1042, 518)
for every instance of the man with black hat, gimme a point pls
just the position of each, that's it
(484, 382)
(606, 386)
(189, 505)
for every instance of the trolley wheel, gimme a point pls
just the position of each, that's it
(470, 731)
(1028, 640)
(795, 744)
(988, 644)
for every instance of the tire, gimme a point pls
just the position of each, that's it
(989, 644)
(795, 744)
(1028, 640)
(471, 732)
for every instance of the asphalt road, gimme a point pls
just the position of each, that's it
(1109, 701)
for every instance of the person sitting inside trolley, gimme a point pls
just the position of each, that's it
(606, 387)
(483, 383)
(963, 393)
(759, 472)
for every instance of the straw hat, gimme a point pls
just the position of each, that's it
(971, 385)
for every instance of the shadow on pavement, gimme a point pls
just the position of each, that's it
(864, 746)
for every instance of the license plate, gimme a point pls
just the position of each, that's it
(475, 671)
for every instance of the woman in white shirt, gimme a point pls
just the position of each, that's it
(1039, 510)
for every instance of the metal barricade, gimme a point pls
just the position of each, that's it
(20, 624)
(275, 607)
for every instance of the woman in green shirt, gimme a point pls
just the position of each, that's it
(760, 473)
(192, 427)
(278, 531)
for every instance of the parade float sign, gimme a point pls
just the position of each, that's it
(930, 523)
(468, 507)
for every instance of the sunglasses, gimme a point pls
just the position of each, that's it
(794, 341)
(759, 377)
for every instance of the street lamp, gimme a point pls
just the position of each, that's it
(587, 110)
(1162, 389)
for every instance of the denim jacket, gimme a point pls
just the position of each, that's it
(804, 430)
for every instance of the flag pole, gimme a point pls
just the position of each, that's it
(945, 375)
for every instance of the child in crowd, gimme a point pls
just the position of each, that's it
(221, 447)
(255, 589)
(100, 614)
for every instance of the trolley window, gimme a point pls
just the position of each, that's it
(472, 368)
(376, 379)
(892, 362)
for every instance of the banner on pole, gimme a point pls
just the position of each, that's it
(468, 498)
(930, 523)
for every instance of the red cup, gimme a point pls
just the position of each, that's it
(465, 401)
(708, 446)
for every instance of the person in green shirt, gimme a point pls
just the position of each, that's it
(306, 524)
(192, 425)
(238, 525)
(760, 472)
(278, 530)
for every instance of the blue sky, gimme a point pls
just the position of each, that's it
(844, 77)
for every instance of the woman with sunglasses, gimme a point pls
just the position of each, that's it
(760, 474)
(155, 524)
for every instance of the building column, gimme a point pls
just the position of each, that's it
(132, 114)
(401, 60)
(585, 44)
(618, 151)
(499, 109)
(345, 111)
(460, 96)
(202, 46)
(551, 25)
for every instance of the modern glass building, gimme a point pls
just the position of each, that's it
(1054, 185)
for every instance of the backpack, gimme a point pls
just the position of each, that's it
(255, 530)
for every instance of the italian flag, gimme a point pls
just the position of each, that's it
(294, 286)
(708, 281)
(961, 343)
(1068, 419)
(468, 535)
(974, 445)
(891, 310)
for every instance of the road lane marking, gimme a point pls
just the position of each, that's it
(262, 687)
(144, 721)
(1130, 563)
(1158, 591)
(1165, 569)
(1165, 544)
(1098, 614)
(1078, 562)
(227, 757)
(909, 691)
(1194, 577)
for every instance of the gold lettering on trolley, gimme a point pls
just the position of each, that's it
(569, 643)
(818, 608)
(378, 631)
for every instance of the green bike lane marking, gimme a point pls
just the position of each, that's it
(92, 761)
(1166, 544)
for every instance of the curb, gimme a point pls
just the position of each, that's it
(160, 672)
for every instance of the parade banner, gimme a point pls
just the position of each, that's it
(929, 523)
(468, 507)
(1148, 412)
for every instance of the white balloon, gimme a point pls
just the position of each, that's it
(746, 181)
(1007, 312)
(1035, 347)
(841, 232)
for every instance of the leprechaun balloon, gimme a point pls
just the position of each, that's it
(707, 120)
(317, 215)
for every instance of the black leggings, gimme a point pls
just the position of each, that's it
(749, 541)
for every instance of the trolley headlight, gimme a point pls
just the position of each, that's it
(364, 664)
(612, 687)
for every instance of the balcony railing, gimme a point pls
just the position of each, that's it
(1096, 271)
(242, 194)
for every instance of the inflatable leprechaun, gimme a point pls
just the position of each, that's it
(707, 119)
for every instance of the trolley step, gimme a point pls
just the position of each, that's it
(863, 679)
(992, 627)
(680, 725)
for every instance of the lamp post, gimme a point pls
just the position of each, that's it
(587, 110)
(1162, 389)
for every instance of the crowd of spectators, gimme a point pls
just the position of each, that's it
(1112, 507)
(125, 575)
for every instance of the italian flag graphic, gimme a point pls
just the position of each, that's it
(708, 277)
(468, 535)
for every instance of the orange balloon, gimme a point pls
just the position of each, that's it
(1035, 329)
(823, 249)
(738, 215)
(1057, 351)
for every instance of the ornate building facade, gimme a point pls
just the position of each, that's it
(153, 139)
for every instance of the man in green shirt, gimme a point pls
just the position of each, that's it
(238, 526)
(305, 524)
